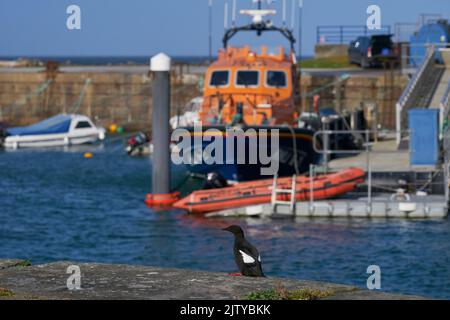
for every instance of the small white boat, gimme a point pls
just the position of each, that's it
(190, 116)
(57, 131)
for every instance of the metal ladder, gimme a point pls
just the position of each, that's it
(292, 192)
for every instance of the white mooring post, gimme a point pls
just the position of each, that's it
(160, 66)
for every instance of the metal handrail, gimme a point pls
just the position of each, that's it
(369, 200)
(326, 152)
(367, 144)
(413, 82)
(444, 109)
(368, 151)
(445, 100)
(409, 89)
(345, 33)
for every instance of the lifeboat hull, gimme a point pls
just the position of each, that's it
(295, 149)
(260, 192)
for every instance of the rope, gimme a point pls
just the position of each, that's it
(294, 144)
(430, 181)
(122, 137)
(40, 89)
(76, 105)
(183, 182)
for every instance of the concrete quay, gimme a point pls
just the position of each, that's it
(21, 281)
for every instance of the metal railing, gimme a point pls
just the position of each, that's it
(412, 55)
(344, 34)
(404, 30)
(444, 110)
(400, 106)
(446, 154)
(326, 151)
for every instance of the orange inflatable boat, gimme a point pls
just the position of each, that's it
(260, 192)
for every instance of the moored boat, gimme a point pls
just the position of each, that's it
(57, 131)
(260, 192)
(257, 91)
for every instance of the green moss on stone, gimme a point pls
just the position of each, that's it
(327, 63)
(5, 293)
(281, 293)
(25, 263)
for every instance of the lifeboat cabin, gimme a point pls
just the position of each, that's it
(249, 88)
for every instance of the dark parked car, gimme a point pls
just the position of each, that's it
(368, 51)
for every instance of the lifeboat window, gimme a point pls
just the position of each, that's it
(247, 78)
(83, 125)
(219, 78)
(276, 79)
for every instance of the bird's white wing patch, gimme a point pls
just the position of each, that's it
(246, 257)
(259, 258)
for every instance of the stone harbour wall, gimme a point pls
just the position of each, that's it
(121, 98)
(125, 98)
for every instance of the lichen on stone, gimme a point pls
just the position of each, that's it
(6, 293)
(281, 293)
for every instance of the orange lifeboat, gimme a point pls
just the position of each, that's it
(260, 192)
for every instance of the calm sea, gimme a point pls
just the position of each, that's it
(57, 205)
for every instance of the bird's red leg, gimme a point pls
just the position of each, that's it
(235, 274)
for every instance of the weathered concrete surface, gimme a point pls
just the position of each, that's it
(100, 281)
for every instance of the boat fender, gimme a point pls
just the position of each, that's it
(162, 200)
(407, 207)
(400, 195)
(421, 193)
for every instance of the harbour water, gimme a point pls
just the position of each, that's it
(58, 205)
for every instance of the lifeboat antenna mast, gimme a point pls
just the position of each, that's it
(259, 24)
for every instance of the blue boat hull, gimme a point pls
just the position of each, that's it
(292, 142)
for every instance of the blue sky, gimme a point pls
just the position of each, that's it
(178, 27)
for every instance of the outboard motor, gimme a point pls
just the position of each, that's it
(214, 181)
(137, 141)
